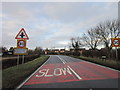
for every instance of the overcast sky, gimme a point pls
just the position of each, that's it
(52, 24)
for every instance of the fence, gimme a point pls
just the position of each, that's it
(12, 61)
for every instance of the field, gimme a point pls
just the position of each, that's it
(109, 63)
(13, 76)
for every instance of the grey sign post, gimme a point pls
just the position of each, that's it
(21, 45)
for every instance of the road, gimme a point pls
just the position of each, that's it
(61, 71)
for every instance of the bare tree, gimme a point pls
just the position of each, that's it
(4, 49)
(113, 27)
(91, 38)
(38, 50)
(108, 30)
(30, 51)
(75, 43)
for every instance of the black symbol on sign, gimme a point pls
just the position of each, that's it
(21, 44)
(116, 42)
(22, 35)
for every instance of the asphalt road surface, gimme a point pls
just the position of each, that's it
(66, 72)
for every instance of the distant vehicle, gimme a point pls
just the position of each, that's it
(10, 53)
(7, 53)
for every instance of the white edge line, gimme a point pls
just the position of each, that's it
(75, 73)
(97, 64)
(31, 75)
(103, 66)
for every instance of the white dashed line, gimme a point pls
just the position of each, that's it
(70, 68)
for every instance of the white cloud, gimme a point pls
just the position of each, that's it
(60, 0)
(52, 24)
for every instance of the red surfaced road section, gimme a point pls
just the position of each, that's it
(53, 73)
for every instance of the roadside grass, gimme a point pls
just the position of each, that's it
(15, 75)
(109, 63)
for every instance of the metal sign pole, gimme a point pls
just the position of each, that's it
(116, 43)
(116, 53)
(23, 59)
(18, 60)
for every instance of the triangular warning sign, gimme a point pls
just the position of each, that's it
(22, 35)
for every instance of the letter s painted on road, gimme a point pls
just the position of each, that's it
(41, 73)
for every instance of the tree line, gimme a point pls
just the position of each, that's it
(10, 51)
(95, 37)
(100, 35)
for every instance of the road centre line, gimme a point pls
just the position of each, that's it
(90, 63)
(62, 60)
(42, 66)
(75, 73)
(70, 68)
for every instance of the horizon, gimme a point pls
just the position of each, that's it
(51, 24)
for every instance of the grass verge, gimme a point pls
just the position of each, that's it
(13, 76)
(109, 63)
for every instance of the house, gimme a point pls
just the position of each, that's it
(62, 50)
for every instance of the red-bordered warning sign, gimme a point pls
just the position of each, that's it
(21, 43)
(22, 35)
(115, 42)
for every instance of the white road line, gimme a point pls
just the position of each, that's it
(101, 66)
(75, 73)
(70, 68)
(61, 60)
(96, 64)
(31, 75)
